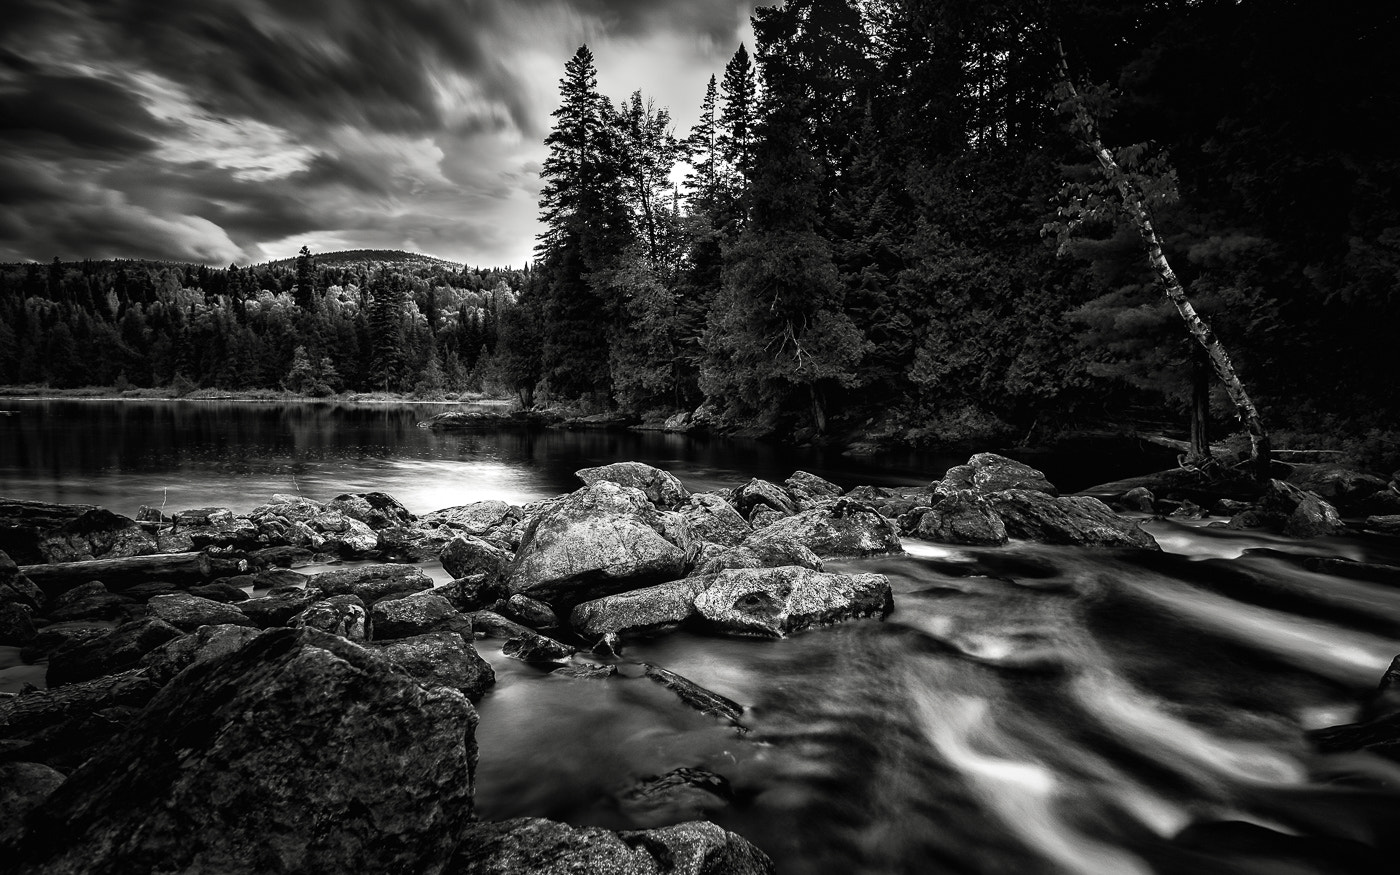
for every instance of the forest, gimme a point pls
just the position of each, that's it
(885, 225)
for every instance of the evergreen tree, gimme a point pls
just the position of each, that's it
(306, 281)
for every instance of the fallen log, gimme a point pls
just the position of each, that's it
(181, 569)
(702, 700)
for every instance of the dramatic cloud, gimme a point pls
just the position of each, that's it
(236, 130)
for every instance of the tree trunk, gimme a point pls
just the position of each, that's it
(118, 574)
(1133, 206)
(1200, 407)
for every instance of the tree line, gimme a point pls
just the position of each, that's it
(889, 222)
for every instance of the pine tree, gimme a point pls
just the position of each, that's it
(306, 281)
(737, 119)
(702, 153)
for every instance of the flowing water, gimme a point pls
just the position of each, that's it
(1025, 709)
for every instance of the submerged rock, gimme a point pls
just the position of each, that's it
(544, 847)
(680, 795)
(776, 602)
(299, 752)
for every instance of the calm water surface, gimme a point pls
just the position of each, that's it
(1025, 709)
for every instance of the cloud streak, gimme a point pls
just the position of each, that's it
(234, 130)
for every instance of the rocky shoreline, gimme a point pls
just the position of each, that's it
(209, 707)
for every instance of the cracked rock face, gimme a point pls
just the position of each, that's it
(599, 540)
(775, 602)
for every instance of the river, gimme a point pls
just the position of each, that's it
(1025, 709)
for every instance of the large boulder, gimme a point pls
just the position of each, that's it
(480, 518)
(598, 540)
(1335, 484)
(1037, 516)
(197, 528)
(544, 847)
(118, 650)
(709, 518)
(843, 528)
(466, 555)
(1298, 512)
(377, 510)
(22, 787)
(809, 490)
(646, 611)
(776, 602)
(660, 487)
(189, 612)
(300, 752)
(761, 550)
(758, 492)
(279, 606)
(986, 473)
(442, 659)
(370, 582)
(62, 727)
(35, 532)
(201, 645)
(962, 518)
(893, 501)
(417, 614)
(342, 615)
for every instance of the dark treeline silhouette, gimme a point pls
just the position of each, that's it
(380, 321)
(890, 225)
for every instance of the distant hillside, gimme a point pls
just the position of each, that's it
(352, 257)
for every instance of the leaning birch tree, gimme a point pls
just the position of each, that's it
(1134, 194)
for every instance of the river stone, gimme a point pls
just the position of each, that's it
(696, 697)
(707, 517)
(473, 593)
(809, 490)
(985, 473)
(96, 534)
(761, 492)
(759, 551)
(544, 847)
(218, 591)
(1038, 516)
(647, 611)
(371, 582)
(598, 540)
(660, 487)
(16, 624)
(417, 614)
(776, 602)
(50, 638)
(536, 615)
(201, 645)
(65, 726)
(443, 659)
(80, 593)
(844, 528)
(962, 518)
(342, 615)
(466, 555)
(1388, 524)
(680, 795)
(479, 518)
(22, 787)
(23, 525)
(118, 650)
(585, 671)
(335, 532)
(1139, 498)
(278, 608)
(99, 606)
(299, 752)
(15, 588)
(1336, 484)
(1313, 518)
(189, 612)
(534, 647)
(490, 624)
(893, 502)
(378, 510)
(197, 528)
(763, 516)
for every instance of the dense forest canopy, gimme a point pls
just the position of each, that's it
(882, 223)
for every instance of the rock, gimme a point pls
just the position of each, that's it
(760, 492)
(201, 645)
(417, 614)
(893, 502)
(986, 473)
(467, 555)
(1249, 518)
(377, 510)
(342, 615)
(80, 593)
(709, 518)
(65, 726)
(704, 700)
(15, 588)
(844, 528)
(189, 612)
(680, 795)
(660, 487)
(809, 490)
(299, 752)
(97, 606)
(118, 650)
(144, 592)
(1228, 507)
(1335, 484)
(678, 421)
(478, 518)
(1139, 498)
(647, 611)
(776, 602)
(1387, 524)
(272, 611)
(490, 624)
(23, 786)
(1313, 518)
(1037, 516)
(760, 551)
(23, 525)
(1188, 510)
(962, 518)
(204, 527)
(281, 557)
(1373, 571)
(219, 591)
(536, 615)
(95, 534)
(598, 540)
(269, 579)
(50, 638)
(763, 516)
(371, 582)
(473, 593)
(544, 847)
(345, 536)
(443, 659)
(534, 647)
(16, 625)
(585, 671)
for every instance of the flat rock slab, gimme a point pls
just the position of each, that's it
(776, 602)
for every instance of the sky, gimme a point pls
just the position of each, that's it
(236, 131)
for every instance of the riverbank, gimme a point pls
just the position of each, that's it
(107, 393)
